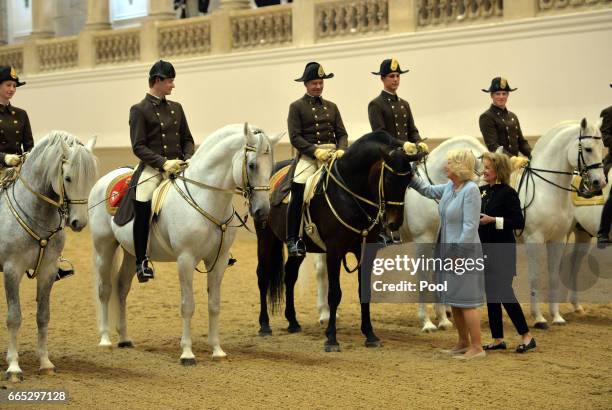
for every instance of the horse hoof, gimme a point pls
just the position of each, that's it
(47, 372)
(265, 331)
(220, 358)
(332, 347)
(373, 343)
(126, 344)
(579, 310)
(429, 327)
(559, 322)
(445, 325)
(14, 377)
(188, 361)
(541, 325)
(294, 328)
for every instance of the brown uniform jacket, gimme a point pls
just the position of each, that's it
(606, 135)
(501, 127)
(15, 132)
(159, 131)
(390, 113)
(313, 120)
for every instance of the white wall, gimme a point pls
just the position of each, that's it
(19, 19)
(561, 66)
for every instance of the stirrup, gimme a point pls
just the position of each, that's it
(296, 247)
(144, 272)
(64, 273)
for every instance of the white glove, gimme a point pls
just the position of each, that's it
(322, 154)
(518, 162)
(173, 165)
(410, 148)
(12, 160)
(338, 153)
(423, 147)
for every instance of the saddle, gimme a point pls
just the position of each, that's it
(280, 191)
(581, 200)
(117, 194)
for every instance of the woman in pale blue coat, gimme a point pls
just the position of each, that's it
(459, 209)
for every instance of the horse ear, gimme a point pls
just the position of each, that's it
(583, 124)
(65, 148)
(91, 143)
(275, 139)
(250, 138)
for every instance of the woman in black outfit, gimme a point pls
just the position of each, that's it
(500, 215)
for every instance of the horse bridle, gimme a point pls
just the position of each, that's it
(247, 190)
(583, 170)
(380, 206)
(61, 204)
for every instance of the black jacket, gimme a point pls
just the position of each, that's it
(159, 131)
(392, 114)
(500, 200)
(15, 132)
(501, 127)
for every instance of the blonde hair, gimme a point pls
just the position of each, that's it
(501, 164)
(462, 163)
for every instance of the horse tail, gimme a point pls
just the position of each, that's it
(270, 266)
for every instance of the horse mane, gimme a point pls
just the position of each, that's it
(49, 152)
(592, 129)
(366, 150)
(228, 131)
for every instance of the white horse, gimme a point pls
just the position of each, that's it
(194, 226)
(549, 211)
(50, 192)
(421, 218)
(588, 217)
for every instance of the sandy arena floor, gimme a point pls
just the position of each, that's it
(570, 369)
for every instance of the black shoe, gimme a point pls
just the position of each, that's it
(602, 241)
(144, 272)
(522, 348)
(63, 273)
(499, 346)
(296, 247)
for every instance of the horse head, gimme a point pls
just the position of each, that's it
(252, 172)
(586, 155)
(392, 178)
(79, 173)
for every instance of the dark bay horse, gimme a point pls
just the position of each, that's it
(357, 194)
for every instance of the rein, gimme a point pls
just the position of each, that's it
(528, 175)
(62, 207)
(247, 190)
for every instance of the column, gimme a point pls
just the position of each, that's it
(43, 12)
(234, 4)
(98, 15)
(402, 16)
(3, 23)
(520, 9)
(161, 10)
(303, 22)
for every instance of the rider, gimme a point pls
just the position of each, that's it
(606, 214)
(500, 127)
(162, 141)
(15, 131)
(317, 132)
(390, 113)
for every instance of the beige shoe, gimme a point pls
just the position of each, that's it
(454, 351)
(476, 356)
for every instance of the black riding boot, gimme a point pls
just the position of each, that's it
(604, 225)
(295, 245)
(142, 216)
